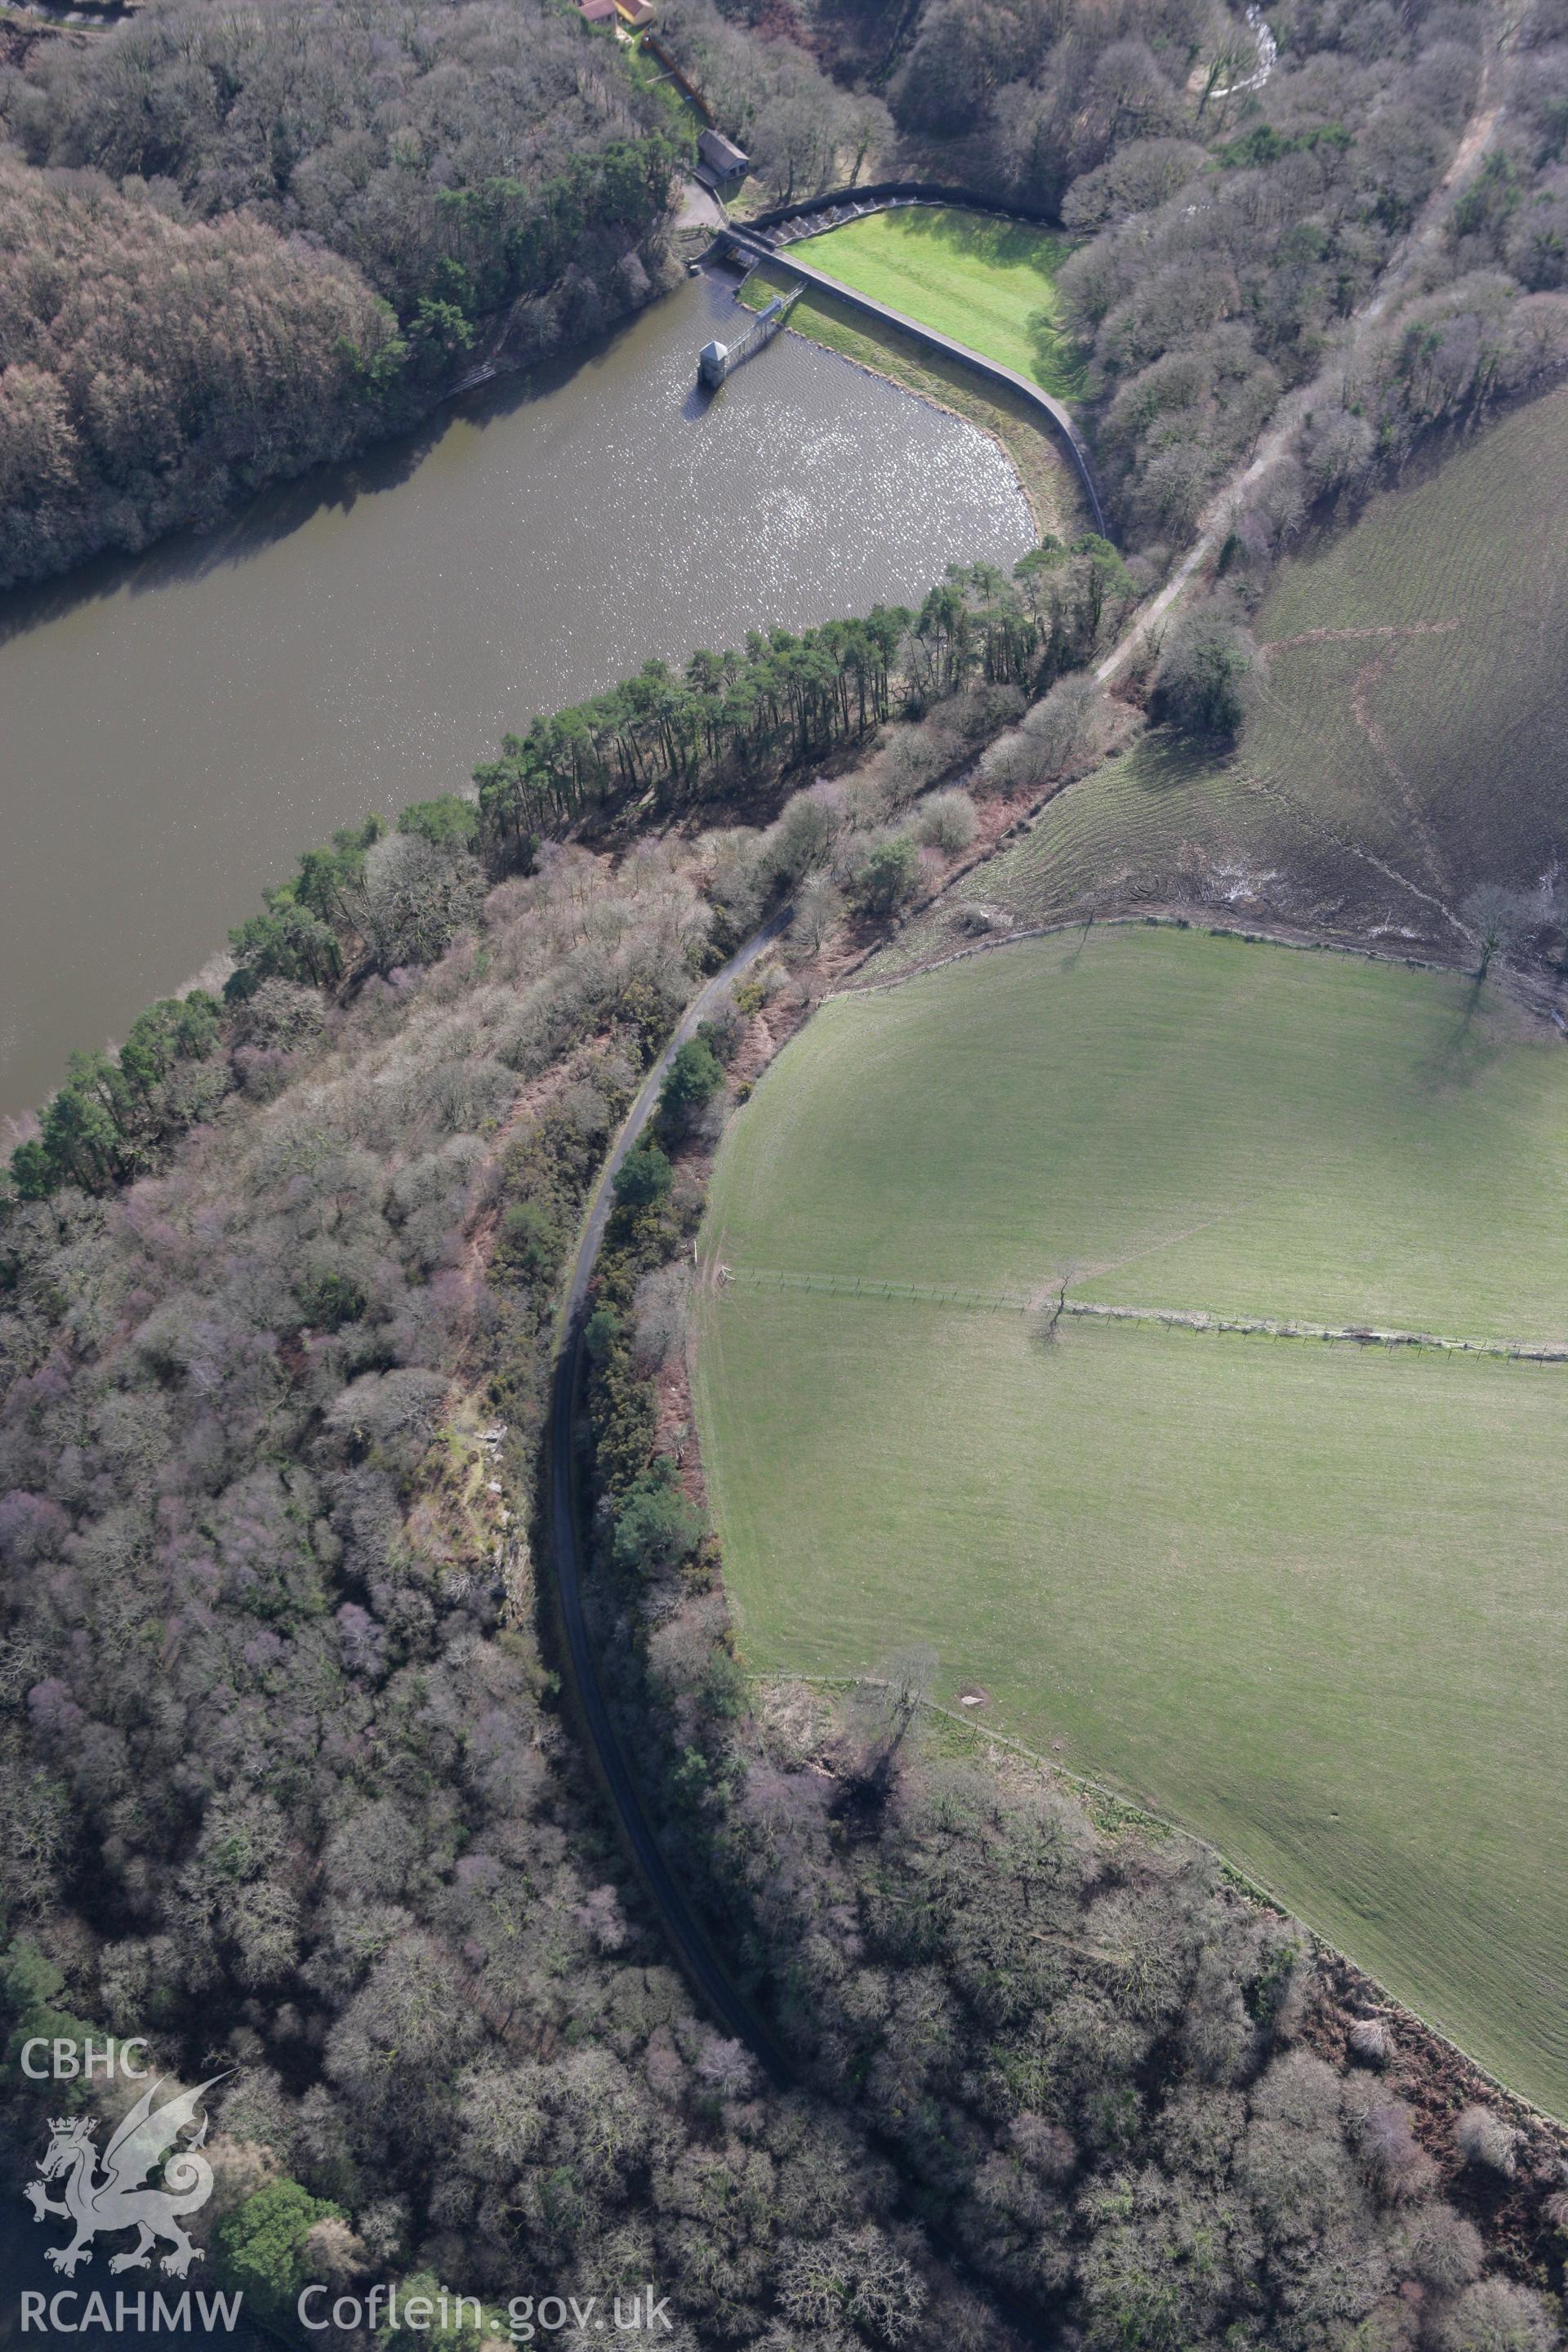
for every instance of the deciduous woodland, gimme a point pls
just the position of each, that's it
(239, 242)
(1232, 221)
(361, 206)
(375, 902)
(291, 1783)
(285, 1760)
(288, 1778)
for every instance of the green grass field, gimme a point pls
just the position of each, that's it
(1301, 1596)
(1440, 747)
(1381, 775)
(990, 284)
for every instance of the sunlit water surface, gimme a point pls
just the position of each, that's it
(174, 732)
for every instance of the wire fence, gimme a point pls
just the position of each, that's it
(856, 1285)
(1052, 1308)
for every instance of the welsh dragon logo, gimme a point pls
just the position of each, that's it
(116, 2197)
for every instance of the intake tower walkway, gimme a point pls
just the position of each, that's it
(716, 361)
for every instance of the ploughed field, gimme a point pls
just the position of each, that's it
(1408, 741)
(988, 283)
(1304, 1595)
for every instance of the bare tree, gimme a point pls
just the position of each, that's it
(1498, 919)
(1049, 1307)
(1484, 2138)
(884, 1706)
(818, 909)
(946, 821)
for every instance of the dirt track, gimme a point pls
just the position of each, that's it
(1216, 522)
(692, 1945)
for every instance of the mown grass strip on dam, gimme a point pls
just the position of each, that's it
(988, 283)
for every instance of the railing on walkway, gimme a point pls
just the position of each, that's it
(716, 361)
(879, 196)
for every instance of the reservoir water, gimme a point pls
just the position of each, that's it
(174, 730)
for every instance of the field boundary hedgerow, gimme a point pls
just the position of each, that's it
(1177, 1319)
(619, 1770)
(1249, 936)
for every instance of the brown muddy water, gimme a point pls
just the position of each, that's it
(173, 732)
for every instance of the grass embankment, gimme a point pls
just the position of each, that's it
(1439, 748)
(1048, 482)
(1407, 743)
(990, 284)
(1304, 1597)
